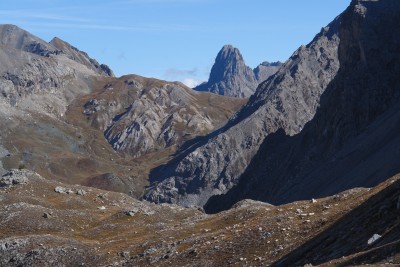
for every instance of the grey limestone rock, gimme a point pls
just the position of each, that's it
(144, 115)
(230, 75)
(60, 189)
(14, 177)
(81, 192)
(32, 67)
(81, 57)
(14, 37)
(373, 239)
(266, 70)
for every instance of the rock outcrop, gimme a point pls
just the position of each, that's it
(32, 67)
(14, 37)
(266, 69)
(230, 75)
(287, 100)
(81, 57)
(140, 115)
(353, 139)
(14, 177)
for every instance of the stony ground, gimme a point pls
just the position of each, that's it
(47, 223)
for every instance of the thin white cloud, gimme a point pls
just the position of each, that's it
(94, 26)
(33, 14)
(124, 2)
(190, 82)
(189, 77)
(173, 73)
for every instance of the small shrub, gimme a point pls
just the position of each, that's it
(21, 166)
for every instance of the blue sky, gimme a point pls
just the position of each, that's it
(174, 39)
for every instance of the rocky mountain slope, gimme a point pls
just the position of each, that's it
(38, 83)
(352, 141)
(64, 116)
(13, 37)
(287, 100)
(47, 223)
(81, 57)
(327, 121)
(232, 77)
(32, 67)
(140, 115)
(265, 70)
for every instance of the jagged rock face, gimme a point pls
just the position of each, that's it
(14, 37)
(266, 69)
(285, 101)
(353, 139)
(232, 77)
(38, 84)
(32, 67)
(140, 115)
(25, 76)
(81, 57)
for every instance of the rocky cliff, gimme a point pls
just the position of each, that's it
(81, 57)
(38, 84)
(266, 69)
(14, 37)
(232, 77)
(287, 100)
(352, 141)
(31, 67)
(140, 115)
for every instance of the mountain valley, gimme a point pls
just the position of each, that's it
(287, 164)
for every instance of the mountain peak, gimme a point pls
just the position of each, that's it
(229, 61)
(81, 57)
(17, 38)
(230, 50)
(230, 75)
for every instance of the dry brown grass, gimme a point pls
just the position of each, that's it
(249, 235)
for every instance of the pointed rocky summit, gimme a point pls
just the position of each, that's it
(230, 75)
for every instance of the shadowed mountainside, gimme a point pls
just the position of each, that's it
(352, 141)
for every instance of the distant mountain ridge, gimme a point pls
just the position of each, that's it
(230, 75)
(14, 37)
(17, 38)
(266, 69)
(81, 57)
